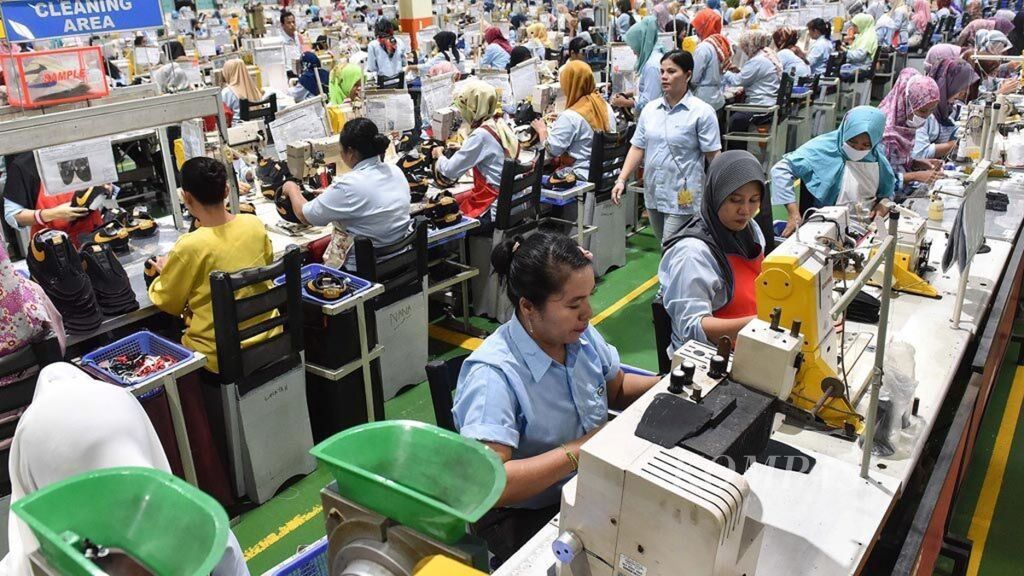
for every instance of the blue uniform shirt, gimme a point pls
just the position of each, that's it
(818, 55)
(511, 392)
(377, 59)
(495, 57)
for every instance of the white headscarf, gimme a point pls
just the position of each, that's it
(75, 425)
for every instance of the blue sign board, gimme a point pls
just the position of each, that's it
(28, 20)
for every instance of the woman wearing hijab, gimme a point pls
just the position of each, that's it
(707, 273)
(861, 51)
(484, 151)
(386, 56)
(447, 51)
(624, 21)
(954, 78)
(845, 166)
(1017, 34)
(498, 50)
(572, 134)
(996, 77)
(238, 86)
(966, 37)
(940, 52)
(76, 425)
(674, 136)
(759, 77)
(171, 78)
(313, 81)
(344, 83)
(663, 17)
(538, 42)
(907, 107)
(710, 59)
(767, 9)
(643, 40)
(920, 19)
(26, 313)
(820, 33)
(706, 23)
(793, 60)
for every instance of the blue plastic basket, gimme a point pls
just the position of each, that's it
(310, 562)
(309, 271)
(144, 342)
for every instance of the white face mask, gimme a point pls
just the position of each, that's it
(854, 154)
(916, 121)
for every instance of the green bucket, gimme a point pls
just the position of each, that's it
(166, 524)
(426, 478)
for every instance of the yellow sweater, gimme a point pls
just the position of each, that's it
(183, 287)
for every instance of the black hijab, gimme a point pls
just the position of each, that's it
(519, 55)
(1017, 34)
(445, 42)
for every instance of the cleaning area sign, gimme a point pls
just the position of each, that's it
(28, 20)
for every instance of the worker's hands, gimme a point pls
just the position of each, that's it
(540, 128)
(437, 152)
(63, 212)
(621, 101)
(617, 191)
(244, 188)
(290, 189)
(792, 223)
(1009, 86)
(927, 177)
(881, 209)
(159, 264)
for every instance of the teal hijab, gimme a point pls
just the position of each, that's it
(819, 164)
(642, 37)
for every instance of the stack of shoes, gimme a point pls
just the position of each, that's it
(416, 168)
(996, 201)
(113, 234)
(443, 212)
(139, 223)
(109, 280)
(272, 175)
(563, 179)
(55, 265)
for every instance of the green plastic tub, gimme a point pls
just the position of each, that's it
(419, 475)
(166, 524)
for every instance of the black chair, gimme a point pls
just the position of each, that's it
(553, 54)
(926, 39)
(764, 219)
(519, 193)
(265, 109)
(396, 82)
(442, 376)
(608, 243)
(774, 116)
(400, 314)
(662, 335)
(263, 384)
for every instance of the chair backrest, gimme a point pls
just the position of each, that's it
(608, 153)
(395, 82)
(18, 393)
(835, 62)
(519, 192)
(265, 109)
(926, 38)
(399, 267)
(442, 376)
(784, 98)
(662, 335)
(763, 219)
(553, 54)
(258, 363)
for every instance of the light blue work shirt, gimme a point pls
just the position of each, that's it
(495, 57)
(817, 55)
(784, 183)
(693, 286)
(648, 86)
(372, 201)
(571, 134)
(438, 58)
(377, 59)
(537, 48)
(622, 26)
(674, 143)
(707, 75)
(793, 64)
(759, 79)
(928, 136)
(11, 209)
(231, 100)
(511, 392)
(481, 150)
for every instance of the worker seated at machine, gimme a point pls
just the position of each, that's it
(707, 273)
(540, 385)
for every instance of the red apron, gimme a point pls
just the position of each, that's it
(744, 273)
(479, 199)
(73, 228)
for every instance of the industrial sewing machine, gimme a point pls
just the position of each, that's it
(316, 161)
(912, 251)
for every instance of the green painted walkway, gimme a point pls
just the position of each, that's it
(272, 532)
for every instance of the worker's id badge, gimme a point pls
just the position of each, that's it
(685, 197)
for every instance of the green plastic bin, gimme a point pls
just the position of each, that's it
(168, 525)
(419, 475)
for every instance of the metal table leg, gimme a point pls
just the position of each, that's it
(364, 353)
(170, 384)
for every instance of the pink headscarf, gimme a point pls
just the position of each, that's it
(493, 35)
(442, 67)
(922, 14)
(911, 92)
(768, 8)
(940, 52)
(663, 16)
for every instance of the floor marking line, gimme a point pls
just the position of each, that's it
(285, 529)
(984, 511)
(454, 338)
(622, 302)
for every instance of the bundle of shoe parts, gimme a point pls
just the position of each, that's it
(562, 179)
(109, 280)
(443, 211)
(90, 198)
(138, 223)
(328, 287)
(135, 367)
(623, 117)
(406, 143)
(524, 116)
(149, 270)
(996, 201)
(284, 205)
(113, 234)
(416, 167)
(55, 265)
(272, 175)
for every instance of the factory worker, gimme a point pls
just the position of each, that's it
(820, 32)
(27, 205)
(344, 83)
(28, 314)
(707, 273)
(907, 107)
(936, 139)
(76, 425)
(540, 385)
(967, 35)
(897, 24)
(674, 135)
(238, 86)
(1002, 78)
(484, 151)
(919, 21)
(386, 55)
(313, 81)
(940, 52)
(290, 37)
(643, 40)
(371, 201)
(498, 50)
(624, 21)
(577, 49)
(862, 47)
(538, 40)
(793, 59)
(706, 23)
(171, 78)
(447, 51)
(710, 60)
(572, 134)
(759, 77)
(845, 166)
(519, 55)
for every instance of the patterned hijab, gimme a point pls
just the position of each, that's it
(722, 47)
(940, 52)
(755, 42)
(922, 14)
(911, 92)
(952, 76)
(23, 316)
(478, 103)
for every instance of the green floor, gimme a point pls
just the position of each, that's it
(271, 533)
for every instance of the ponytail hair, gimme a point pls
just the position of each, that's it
(362, 135)
(536, 267)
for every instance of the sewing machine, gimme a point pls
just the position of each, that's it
(444, 122)
(912, 251)
(316, 161)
